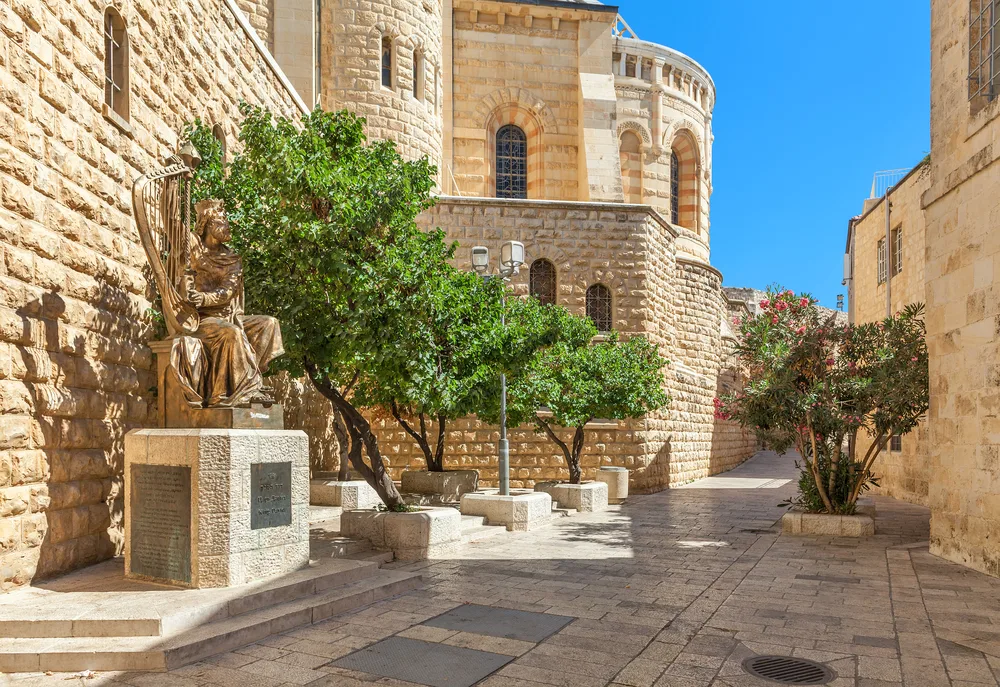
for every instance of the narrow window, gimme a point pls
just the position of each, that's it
(599, 307)
(896, 443)
(630, 157)
(116, 89)
(675, 188)
(897, 251)
(647, 70)
(512, 163)
(616, 61)
(387, 62)
(542, 281)
(881, 261)
(418, 76)
(984, 52)
(630, 61)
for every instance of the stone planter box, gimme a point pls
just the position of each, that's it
(797, 522)
(450, 484)
(348, 495)
(588, 497)
(417, 536)
(520, 511)
(617, 480)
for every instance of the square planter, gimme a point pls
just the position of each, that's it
(450, 484)
(797, 522)
(585, 498)
(520, 511)
(617, 480)
(427, 533)
(348, 495)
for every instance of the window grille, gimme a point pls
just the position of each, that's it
(512, 163)
(881, 261)
(984, 50)
(896, 443)
(896, 258)
(387, 62)
(115, 63)
(542, 281)
(675, 188)
(599, 307)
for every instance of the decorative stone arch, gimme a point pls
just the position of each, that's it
(520, 98)
(631, 157)
(684, 144)
(534, 250)
(528, 122)
(640, 130)
(379, 32)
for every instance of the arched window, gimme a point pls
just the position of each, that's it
(512, 162)
(387, 61)
(675, 188)
(630, 154)
(542, 281)
(418, 75)
(116, 89)
(599, 307)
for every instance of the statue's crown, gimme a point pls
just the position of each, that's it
(209, 205)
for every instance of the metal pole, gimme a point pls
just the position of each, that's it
(504, 458)
(888, 257)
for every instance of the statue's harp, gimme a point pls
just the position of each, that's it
(162, 205)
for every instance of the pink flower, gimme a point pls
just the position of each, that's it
(829, 362)
(737, 321)
(800, 331)
(914, 359)
(789, 292)
(781, 305)
(774, 319)
(804, 302)
(764, 303)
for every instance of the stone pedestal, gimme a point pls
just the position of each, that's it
(215, 507)
(426, 533)
(617, 480)
(797, 522)
(348, 495)
(450, 484)
(588, 497)
(521, 511)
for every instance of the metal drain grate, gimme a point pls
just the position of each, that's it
(789, 671)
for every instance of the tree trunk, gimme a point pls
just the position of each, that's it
(575, 474)
(439, 449)
(362, 438)
(433, 459)
(817, 477)
(343, 444)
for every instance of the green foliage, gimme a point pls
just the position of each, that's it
(325, 223)
(814, 384)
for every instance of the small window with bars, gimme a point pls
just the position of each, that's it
(896, 443)
(387, 61)
(984, 51)
(881, 261)
(896, 254)
(675, 188)
(512, 163)
(542, 281)
(599, 307)
(116, 89)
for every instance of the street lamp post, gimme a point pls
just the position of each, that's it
(511, 259)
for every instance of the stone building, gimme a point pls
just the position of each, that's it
(946, 213)
(553, 124)
(92, 95)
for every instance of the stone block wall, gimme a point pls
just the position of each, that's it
(261, 14)
(903, 474)
(74, 370)
(351, 69)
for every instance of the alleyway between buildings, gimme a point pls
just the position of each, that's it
(674, 589)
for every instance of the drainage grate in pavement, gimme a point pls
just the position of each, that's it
(501, 622)
(424, 663)
(789, 671)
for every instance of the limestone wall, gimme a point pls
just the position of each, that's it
(903, 474)
(351, 69)
(261, 14)
(74, 370)
(962, 251)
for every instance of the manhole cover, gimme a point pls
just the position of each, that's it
(789, 671)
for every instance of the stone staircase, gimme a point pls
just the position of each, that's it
(94, 619)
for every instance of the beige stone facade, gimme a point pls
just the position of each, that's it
(880, 286)
(74, 370)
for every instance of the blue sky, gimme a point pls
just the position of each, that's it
(813, 99)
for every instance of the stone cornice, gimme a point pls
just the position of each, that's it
(699, 263)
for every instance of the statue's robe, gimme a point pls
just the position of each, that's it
(222, 365)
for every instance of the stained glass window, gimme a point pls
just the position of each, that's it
(512, 163)
(542, 281)
(675, 188)
(599, 307)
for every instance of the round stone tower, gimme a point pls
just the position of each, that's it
(382, 59)
(665, 102)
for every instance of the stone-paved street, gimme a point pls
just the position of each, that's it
(673, 590)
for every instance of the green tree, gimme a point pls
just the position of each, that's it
(573, 382)
(814, 384)
(325, 223)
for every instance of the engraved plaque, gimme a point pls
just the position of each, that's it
(161, 522)
(270, 495)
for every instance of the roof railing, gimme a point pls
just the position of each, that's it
(621, 29)
(885, 180)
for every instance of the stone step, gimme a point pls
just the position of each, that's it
(336, 546)
(380, 558)
(161, 653)
(558, 512)
(475, 534)
(472, 521)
